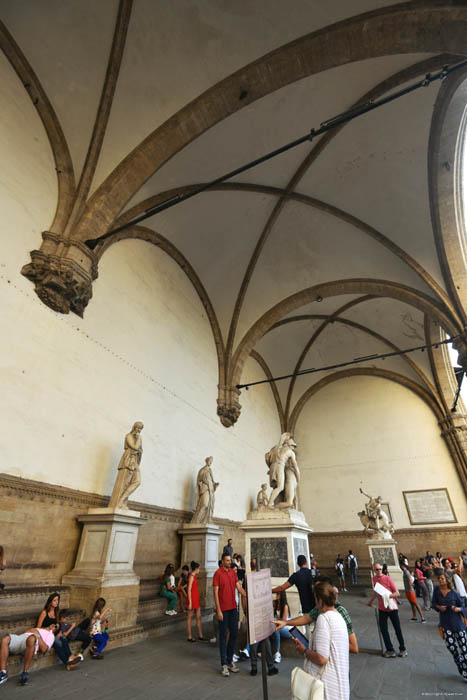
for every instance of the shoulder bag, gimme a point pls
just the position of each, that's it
(304, 685)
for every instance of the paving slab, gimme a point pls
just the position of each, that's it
(170, 668)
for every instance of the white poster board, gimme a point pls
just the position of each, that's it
(260, 612)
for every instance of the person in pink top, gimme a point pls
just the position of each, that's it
(386, 611)
(28, 643)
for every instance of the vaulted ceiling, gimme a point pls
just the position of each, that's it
(152, 98)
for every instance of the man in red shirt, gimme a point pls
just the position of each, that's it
(385, 613)
(225, 582)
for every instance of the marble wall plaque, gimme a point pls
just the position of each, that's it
(300, 546)
(383, 555)
(271, 553)
(429, 506)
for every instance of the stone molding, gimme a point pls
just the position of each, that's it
(415, 529)
(40, 491)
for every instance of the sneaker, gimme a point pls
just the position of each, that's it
(253, 672)
(233, 667)
(24, 678)
(345, 590)
(168, 612)
(203, 639)
(225, 671)
(245, 652)
(213, 640)
(191, 639)
(173, 612)
(277, 657)
(423, 621)
(402, 654)
(3, 677)
(273, 671)
(235, 657)
(389, 654)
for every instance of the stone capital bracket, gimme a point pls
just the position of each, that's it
(63, 271)
(228, 406)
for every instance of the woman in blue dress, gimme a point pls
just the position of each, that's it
(451, 620)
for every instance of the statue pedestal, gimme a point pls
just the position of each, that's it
(201, 543)
(384, 551)
(104, 564)
(275, 537)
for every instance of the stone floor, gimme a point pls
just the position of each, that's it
(170, 669)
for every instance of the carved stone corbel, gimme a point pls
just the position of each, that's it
(228, 406)
(63, 271)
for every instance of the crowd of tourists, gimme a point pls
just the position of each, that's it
(330, 636)
(54, 630)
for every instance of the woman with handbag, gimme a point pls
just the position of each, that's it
(327, 662)
(451, 622)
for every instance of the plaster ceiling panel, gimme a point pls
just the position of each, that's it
(216, 232)
(67, 45)
(340, 343)
(376, 168)
(269, 123)
(177, 50)
(281, 349)
(308, 247)
(326, 306)
(403, 325)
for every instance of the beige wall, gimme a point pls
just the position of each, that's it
(72, 388)
(372, 433)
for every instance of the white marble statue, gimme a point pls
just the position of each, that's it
(284, 473)
(262, 497)
(129, 476)
(205, 487)
(375, 520)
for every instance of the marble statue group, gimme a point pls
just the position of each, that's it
(374, 519)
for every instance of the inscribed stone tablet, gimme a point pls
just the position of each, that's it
(271, 553)
(383, 555)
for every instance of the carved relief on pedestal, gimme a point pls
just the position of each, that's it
(63, 272)
(228, 406)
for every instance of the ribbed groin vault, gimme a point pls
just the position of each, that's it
(350, 245)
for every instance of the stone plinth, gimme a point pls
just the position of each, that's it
(201, 543)
(385, 552)
(104, 564)
(275, 537)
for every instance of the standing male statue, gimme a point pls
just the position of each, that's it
(129, 477)
(206, 487)
(284, 473)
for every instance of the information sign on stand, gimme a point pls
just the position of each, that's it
(260, 615)
(260, 612)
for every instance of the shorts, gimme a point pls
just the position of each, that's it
(410, 595)
(17, 643)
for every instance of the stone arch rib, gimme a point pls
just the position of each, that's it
(306, 200)
(265, 367)
(423, 27)
(422, 393)
(381, 288)
(145, 234)
(53, 129)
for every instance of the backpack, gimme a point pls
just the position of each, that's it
(352, 561)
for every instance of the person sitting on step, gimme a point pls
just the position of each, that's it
(51, 615)
(99, 627)
(167, 589)
(29, 644)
